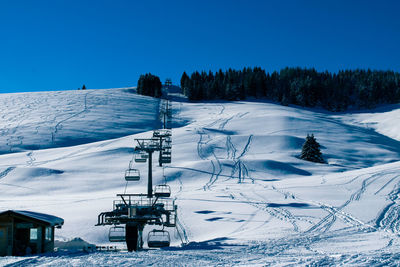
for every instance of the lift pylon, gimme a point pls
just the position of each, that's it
(132, 212)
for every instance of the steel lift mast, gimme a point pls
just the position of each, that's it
(135, 211)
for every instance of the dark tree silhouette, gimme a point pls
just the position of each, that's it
(311, 150)
(299, 86)
(149, 85)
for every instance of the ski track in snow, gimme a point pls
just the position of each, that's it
(58, 124)
(6, 171)
(309, 229)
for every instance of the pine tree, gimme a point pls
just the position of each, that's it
(83, 87)
(311, 150)
(149, 85)
(184, 82)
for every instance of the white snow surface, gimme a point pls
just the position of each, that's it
(283, 211)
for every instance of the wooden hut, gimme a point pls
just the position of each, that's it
(26, 232)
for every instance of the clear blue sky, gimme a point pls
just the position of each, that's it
(62, 44)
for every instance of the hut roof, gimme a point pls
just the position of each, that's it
(44, 218)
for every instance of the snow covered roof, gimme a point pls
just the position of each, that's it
(45, 218)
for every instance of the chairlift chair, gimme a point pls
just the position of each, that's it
(167, 152)
(140, 158)
(156, 133)
(162, 133)
(162, 190)
(158, 239)
(154, 144)
(116, 234)
(132, 175)
(165, 159)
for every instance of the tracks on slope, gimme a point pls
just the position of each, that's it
(203, 150)
(389, 219)
(6, 172)
(337, 212)
(58, 124)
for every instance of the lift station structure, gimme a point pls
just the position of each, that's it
(132, 212)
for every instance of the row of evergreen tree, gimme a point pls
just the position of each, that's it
(301, 86)
(149, 85)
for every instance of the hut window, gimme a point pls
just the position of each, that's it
(34, 234)
(48, 233)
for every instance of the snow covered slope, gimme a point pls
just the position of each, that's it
(244, 196)
(385, 120)
(65, 118)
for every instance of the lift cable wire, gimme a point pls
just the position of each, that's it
(126, 186)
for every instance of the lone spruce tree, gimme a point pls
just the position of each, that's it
(310, 150)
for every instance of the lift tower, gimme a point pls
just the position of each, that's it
(132, 212)
(135, 211)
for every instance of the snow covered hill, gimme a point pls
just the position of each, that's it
(244, 196)
(31, 121)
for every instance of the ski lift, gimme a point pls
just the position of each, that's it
(158, 239)
(162, 190)
(154, 144)
(156, 133)
(167, 146)
(132, 175)
(141, 157)
(116, 234)
(165, 159)
(161, 133)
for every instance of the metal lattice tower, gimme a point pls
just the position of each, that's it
(135, 211)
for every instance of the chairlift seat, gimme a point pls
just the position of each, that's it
(162, 133)
(162, 190)
(140, 158)
(154, 144)
(116, 234)
(132, 175)
(158, 239)
(165, 159)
